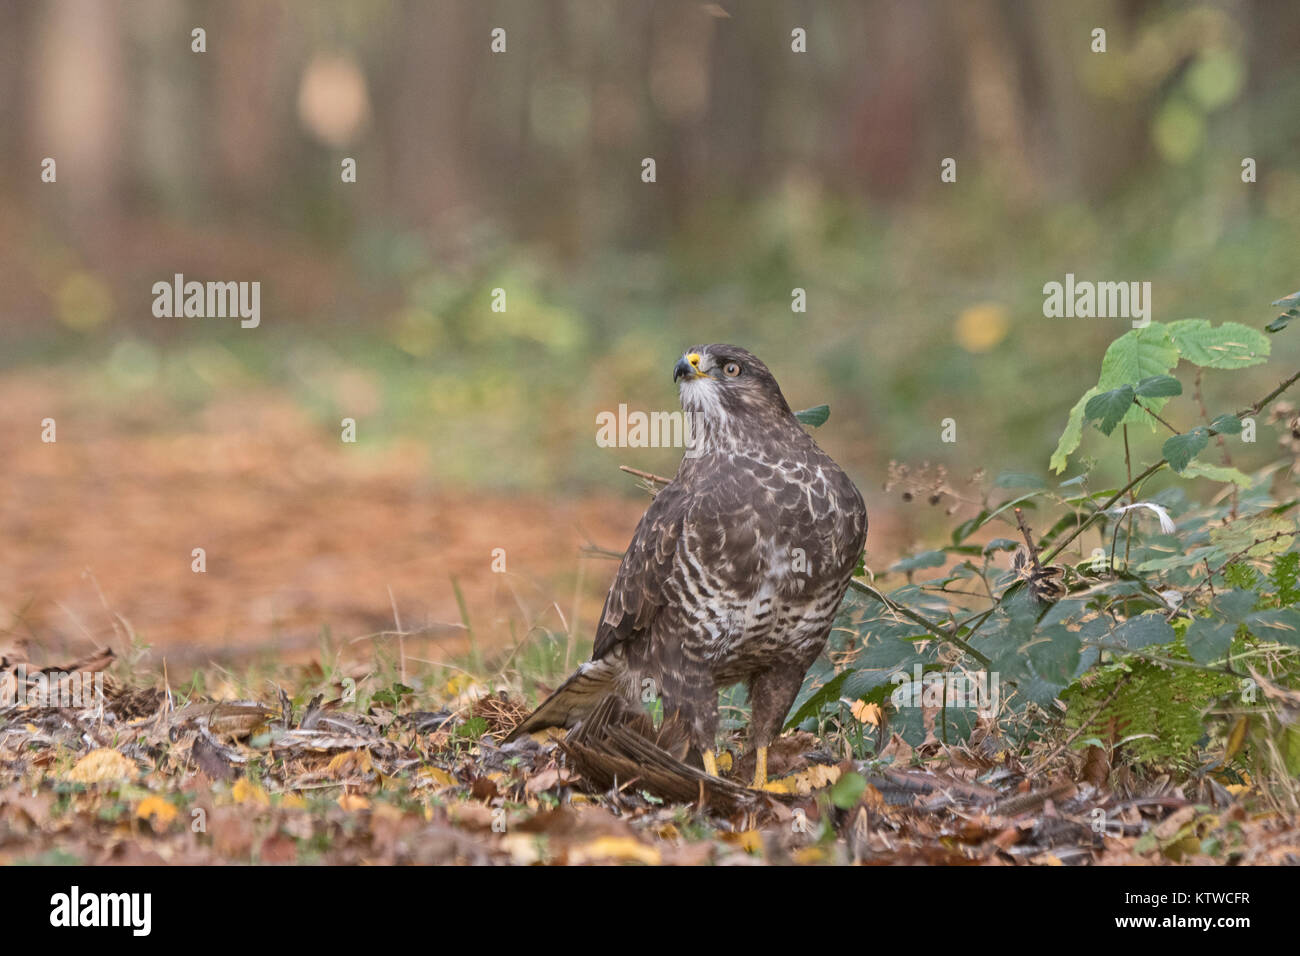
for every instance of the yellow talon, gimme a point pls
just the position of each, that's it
(710, 763)
(760, 768)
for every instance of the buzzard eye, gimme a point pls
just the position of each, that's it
(732, 369)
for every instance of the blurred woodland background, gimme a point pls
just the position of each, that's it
(522, 170)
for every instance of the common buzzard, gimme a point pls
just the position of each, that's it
(736, 570)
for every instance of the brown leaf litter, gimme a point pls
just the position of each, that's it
(142, 777)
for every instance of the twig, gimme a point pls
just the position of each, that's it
(647, 475)
(1253, 409)
(1218, 439)
(1029, 541)
(597, 551)
(1043, 762)
(911, 615)
(1156, 417)
(1209, 579)
(1256, 408)
(1159, 659)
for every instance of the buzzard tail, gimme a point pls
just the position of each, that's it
(576, 698)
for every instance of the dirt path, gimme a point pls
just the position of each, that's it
(299, 532)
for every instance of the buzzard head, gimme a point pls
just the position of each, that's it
(729, 387)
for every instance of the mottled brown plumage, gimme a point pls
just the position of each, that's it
(736, 570)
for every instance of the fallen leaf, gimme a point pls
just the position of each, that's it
(548, 778)
(102, 765)
(751, 841)
(623, 849)
(246, 791)
(353, 802)
(439, 776)
(867, 713)
(157, 810)
(351, 762)
(816, 777)
(899, 749)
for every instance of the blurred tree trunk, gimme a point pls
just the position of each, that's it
(249, 128)
(77, 84)
(439, 53)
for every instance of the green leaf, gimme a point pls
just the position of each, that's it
(1073, 433)
(1182, 559)
(1236, 604)
(1109, 407)
(1230, 345)
(1056, 655)
(848, 790)
(814, 416)
(472, 729)
(1209, 639)
(1143, 631)
(1159, 386)
(1277, 624)
(1283, 320)
(1001, 544)
(885, 652)
(926, 559)
(820, 698)
(1136, 355)
(1242, 535)
(1226, 425)
(1199, 469)
(1291, 311)
(392, 696)
(967, 527)
(1016, 479)
(1181, 449)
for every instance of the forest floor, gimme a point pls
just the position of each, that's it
(333, 687)
(149, 775)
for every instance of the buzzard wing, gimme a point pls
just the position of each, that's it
(637, 594)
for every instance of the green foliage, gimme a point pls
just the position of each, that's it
(1135, 616)
(1181, 449)
(1290, 311)
(1285, 578)
(391, 696)
(1156, 710)
(1230, 345)
(1135, 382)
(814, 416)
(848, 790)
(1109, 408)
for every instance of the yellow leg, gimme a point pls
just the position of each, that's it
(760, 768)
(710, 763)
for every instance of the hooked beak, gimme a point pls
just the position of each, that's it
(688, 367)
